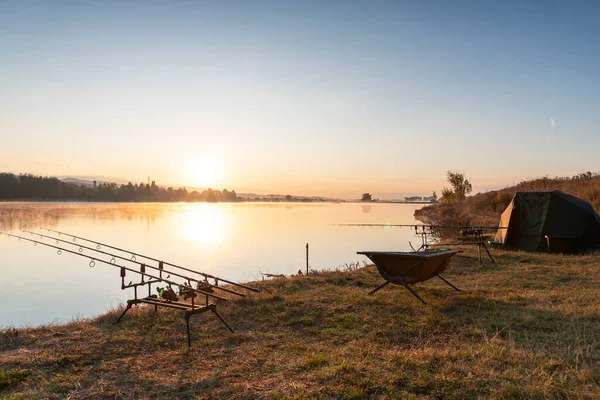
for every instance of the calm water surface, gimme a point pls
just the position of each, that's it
(233, 241)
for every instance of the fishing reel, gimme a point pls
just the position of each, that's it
(186, 291)
(205, 287)
(167, 293)
(472, 232)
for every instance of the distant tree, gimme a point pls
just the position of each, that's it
(229, 195)
(448, 196)
(211, 196)
(366, 197)
(289, 198)
(460, 187)
(434, 195)
(194, 196)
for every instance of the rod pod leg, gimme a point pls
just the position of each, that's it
(223, 320)
(187, 325)
(129, 304)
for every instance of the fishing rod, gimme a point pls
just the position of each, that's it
(115, 256)
(94, 259)
(133, 254)
(428, 226)
(477, 232)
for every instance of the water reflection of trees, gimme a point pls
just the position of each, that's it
(19, 216)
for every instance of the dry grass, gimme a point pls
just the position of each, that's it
(526, 327)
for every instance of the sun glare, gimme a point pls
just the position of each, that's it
(203, 224)
(204, 172)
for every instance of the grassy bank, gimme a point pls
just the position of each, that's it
(486, 208)
(526, 327)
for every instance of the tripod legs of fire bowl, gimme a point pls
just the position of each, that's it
(414, 293)
(379, 287)
(451, 285)
(411, 290)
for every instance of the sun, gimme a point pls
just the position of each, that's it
(204, 172)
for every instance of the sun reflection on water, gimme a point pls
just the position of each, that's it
(204, 224)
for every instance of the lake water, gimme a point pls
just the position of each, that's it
(233, 241)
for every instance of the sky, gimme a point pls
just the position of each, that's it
(324, 98)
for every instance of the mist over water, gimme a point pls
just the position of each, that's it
(235, 241)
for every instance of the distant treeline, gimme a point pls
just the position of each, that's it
(31, 187)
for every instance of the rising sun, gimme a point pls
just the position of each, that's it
(204, 172)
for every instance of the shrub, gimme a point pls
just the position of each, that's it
(8, 378)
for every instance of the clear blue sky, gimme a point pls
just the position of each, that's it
(333, 98)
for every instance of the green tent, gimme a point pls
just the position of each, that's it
(549, 221)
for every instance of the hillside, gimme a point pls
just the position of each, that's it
(486, 208)
(525, 327)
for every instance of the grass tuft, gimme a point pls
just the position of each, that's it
(13, 377)
(315, 361)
